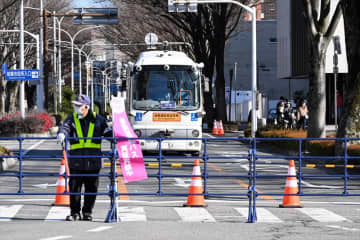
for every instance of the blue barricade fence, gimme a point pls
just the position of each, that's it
(252, 176)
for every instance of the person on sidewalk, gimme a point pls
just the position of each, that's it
(83, 123)
(302, 115)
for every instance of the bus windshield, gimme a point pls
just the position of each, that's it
(157, 89)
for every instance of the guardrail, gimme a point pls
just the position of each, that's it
(252, 157)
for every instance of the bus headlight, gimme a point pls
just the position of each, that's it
(138, 133)
(195, 133)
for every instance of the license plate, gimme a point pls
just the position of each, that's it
(166, 117)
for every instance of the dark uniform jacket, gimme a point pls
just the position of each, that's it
(100, 129)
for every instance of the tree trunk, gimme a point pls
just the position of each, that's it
(317, 104)
(2, 94)
(349, 125)
(220, 33)
(13, 90)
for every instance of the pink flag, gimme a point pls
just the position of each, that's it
(131, 157)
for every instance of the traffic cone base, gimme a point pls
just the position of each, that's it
(196, 188)
(62, 199)
(215, 128)
(220, 128)
(291, 187)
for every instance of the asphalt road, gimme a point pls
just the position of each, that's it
(146, 215)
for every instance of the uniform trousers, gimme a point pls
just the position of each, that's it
(91, 184)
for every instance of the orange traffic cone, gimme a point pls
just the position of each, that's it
(62, 200)
(221, 129)
(215, 128)
(196, 188)
(291, 187)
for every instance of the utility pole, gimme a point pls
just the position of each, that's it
(46, 59)
(22, 83)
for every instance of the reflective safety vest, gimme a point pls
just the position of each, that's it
(82, 143)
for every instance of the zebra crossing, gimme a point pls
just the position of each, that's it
(180, 214)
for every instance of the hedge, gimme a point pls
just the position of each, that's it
(314, 147)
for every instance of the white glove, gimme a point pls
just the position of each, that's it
(61, 138)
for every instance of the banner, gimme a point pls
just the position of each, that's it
(130, 154)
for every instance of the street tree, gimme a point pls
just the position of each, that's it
(349, 125)
(9, 47)
(321, 26)
(207, 31)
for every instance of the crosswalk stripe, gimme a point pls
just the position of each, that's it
(194, 215)
(57, 213)
(262, 214)
(322, 215)
(132, 214)
(8, 212)
(99, 229)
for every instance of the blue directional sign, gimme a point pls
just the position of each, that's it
(76, 75)
(22, 74)
(4, 68)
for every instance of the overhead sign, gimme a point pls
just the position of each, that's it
(95, 16)
(174, 6)
(22, 74)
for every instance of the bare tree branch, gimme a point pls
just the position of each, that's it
(334, 21)
(311, 18)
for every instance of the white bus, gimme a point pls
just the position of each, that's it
(165, 100)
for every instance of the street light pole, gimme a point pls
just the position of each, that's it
(54, 61)
(72, 52)
(22, 83)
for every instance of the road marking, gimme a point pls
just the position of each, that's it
(8, 212)
(182, 182)
(209, 136)
(322, 215)
(194, 215)
(134, 214)
(99, 229)
(262, 214)
(33, 146)
(343, 228)
(57, 213)
(57, 238)
(44, 185)
(121, 187)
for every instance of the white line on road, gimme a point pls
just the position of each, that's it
(132, 214)
(57, 238)
(185, 183)
(194, 215)
(177, 201)
(57, 213)
(262, 214)
(343, 228)
(33, 146)
(99, 229)
(322, 215)
(8, 212)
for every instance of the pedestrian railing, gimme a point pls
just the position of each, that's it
(252, 153)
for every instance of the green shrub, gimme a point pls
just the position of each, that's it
(4, 151)
(14, 125)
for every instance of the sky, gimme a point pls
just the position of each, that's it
(86, 3)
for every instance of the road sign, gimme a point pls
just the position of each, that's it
(94, 16)
(173, 6)
(22, 74)
(76, 75)
(4, 68)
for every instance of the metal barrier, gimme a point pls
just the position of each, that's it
(252, 157)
